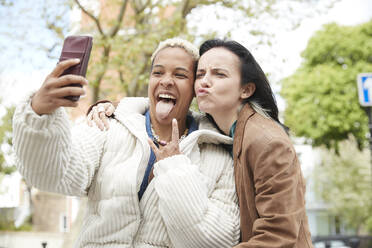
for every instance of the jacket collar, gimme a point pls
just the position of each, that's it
(131, 110)
(244, 115)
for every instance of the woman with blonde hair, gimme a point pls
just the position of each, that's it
(159, 177)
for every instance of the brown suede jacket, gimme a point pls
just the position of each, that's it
(270, 185)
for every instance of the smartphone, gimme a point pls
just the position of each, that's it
(76, 47)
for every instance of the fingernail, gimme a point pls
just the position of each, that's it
(76, 60)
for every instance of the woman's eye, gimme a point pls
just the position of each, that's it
(221, 74)
(156, 73)
(198, 76)
(179, 75)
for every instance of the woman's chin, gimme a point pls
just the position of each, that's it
(164, 120)
(205, 108)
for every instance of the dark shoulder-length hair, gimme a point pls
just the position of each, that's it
(262, 100)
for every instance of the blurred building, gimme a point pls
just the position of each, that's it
(321, 221)
(50, 212)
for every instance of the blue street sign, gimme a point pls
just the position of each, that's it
(365, 89)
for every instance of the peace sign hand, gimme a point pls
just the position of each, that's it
(170, 149)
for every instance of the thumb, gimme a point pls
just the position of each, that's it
(63, 65)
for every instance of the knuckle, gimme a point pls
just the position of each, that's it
(69, 92)
(52, 101)
(68, 77)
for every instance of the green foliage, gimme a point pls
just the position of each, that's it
(344, 182)
(127, 61)
(124, 57)
(8, 225)
(321, 96)
(322, 106)
(125, 39)
(6, 3)
(5, 137)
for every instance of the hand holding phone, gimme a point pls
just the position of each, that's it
(51, 95)
(76, 47)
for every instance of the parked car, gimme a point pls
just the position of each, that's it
(342, 241)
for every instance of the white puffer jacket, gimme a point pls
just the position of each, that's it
(191, 202)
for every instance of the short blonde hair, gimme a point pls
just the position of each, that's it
(177, 42)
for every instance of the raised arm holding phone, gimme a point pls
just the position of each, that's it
(159, 177)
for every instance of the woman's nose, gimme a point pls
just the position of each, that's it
(205, 83)
(166, 81)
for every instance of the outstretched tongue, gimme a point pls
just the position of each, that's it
(163, 108)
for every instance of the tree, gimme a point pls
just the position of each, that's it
(322, 106)
(6, 139)
(321, 96)
(344, 182)
(126, 32)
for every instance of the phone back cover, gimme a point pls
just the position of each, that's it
(77, 47)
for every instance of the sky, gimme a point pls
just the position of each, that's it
(346, 12)
(26, 65)
(23, 38)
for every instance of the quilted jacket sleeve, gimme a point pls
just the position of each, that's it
(51, 155)
(198, 211)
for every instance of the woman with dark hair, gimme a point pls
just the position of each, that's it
(232, 88)
(233, 91)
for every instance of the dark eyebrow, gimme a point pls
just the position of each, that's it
(220, 69)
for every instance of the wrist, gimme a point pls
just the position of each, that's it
(34, 106)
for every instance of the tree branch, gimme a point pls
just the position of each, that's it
(104, 61)
(186, 8)
(134, 86)
(116, 28)
(95, 19)
(122, 81)
(140, 9)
